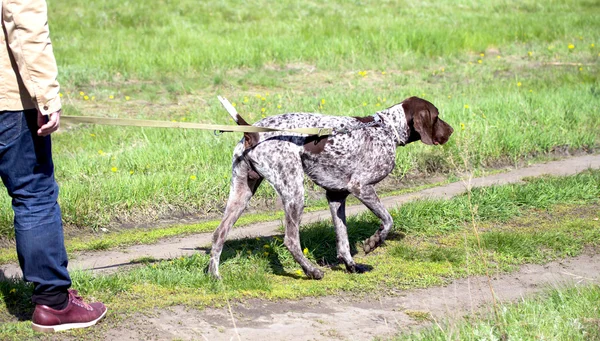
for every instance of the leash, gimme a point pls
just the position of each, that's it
(189, 125)
(186, 125)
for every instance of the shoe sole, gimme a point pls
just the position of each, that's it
(66, 326)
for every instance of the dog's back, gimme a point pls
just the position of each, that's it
(330, 161)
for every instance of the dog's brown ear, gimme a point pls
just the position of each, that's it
(426, 122)
(423, 124)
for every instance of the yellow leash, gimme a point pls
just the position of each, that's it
(66, 119)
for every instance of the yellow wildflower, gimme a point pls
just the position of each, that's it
(481, 54)
(93, 135)
(364, 104)
(81, 93)
(466, 106)
(193, 177)
(111, 97)
(571, 46)
(479, 61)
(60, 94)
(86, 97)
(131, 172)
(305, 251)
(299, 272)
(322, 100)
(263, 109)
(462, 126)
(114, 169)
(518, 83)
(278, 106)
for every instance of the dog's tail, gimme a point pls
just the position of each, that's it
(250, 139)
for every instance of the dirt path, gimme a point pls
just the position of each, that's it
(350, 318)
(175, 247)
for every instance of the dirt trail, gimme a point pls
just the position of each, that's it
(175, 247)
(349, 318)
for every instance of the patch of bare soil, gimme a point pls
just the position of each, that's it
(356, 318)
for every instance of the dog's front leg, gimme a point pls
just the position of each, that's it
(366, 194)
(337, 206)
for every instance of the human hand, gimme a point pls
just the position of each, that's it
(48, 124)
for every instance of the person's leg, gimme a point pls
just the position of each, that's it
(27, 171)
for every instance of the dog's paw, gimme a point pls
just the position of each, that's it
(214, 275)
(372, 243)
(358, 268)
(213, 272)
(314, 274)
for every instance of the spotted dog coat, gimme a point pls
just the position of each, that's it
(351, 161)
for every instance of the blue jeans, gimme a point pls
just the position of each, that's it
(27, 172)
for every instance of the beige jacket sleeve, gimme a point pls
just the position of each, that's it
(28, 37)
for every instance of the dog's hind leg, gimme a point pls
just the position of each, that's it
(244, 183)
(366, 194)
(289, 184)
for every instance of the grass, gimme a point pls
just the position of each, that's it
(496, 203)
(515, 81)
(127, 237)
(566, 313)
(550, 218)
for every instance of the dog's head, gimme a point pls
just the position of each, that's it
(424, 123)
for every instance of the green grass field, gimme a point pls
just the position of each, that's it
(515, 80)
(518, 81)
(565, 313)
(542, 220)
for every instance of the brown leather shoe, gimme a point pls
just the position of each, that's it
(77, 314)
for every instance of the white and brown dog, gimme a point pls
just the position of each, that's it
(360, 153)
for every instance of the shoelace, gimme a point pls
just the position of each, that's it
(78, 300)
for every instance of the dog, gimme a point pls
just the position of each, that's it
(360, 153)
